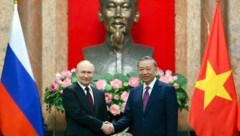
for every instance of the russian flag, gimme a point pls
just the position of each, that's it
(20, 108)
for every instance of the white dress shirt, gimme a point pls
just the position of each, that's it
(90, 90)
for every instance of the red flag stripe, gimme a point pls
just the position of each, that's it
(6, 116)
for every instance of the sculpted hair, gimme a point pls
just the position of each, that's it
(147, 58)
(103, 1)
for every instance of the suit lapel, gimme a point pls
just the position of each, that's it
(153, 95)
(139, 98)
(96, 103)
(83, 98)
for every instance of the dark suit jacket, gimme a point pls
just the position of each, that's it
(161, 114)
(104, 58)
(81, 121)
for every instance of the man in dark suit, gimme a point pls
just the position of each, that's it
(118, 53)
(85, 106)
(152, 107)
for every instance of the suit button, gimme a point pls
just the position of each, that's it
(142, 118)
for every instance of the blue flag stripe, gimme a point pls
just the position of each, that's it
(22, 89)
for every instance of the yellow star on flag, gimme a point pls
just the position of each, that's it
(213, 85)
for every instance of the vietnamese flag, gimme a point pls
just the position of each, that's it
(213, 110)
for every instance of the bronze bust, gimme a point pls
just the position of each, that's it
(118, 54)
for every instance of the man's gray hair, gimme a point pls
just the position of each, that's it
(147, 58)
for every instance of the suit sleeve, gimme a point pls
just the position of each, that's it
(74, 110)
(171, 111)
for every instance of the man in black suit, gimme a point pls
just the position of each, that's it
(151, 108)
(118, 53)
(84, 105)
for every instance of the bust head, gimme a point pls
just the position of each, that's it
(118, 17)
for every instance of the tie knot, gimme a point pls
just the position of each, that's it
(147, 88)
(87, 89)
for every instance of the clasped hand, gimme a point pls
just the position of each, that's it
(107, 128)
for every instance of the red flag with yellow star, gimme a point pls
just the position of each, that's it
(213, 109)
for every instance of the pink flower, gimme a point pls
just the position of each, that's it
(66, 82)
(176, 86)
(168, 72)
(133, 81)
(123, 106)
(164, 79)
(124, 96)
(73, 70)
(58, 80)
(108, 97)
(54, 88)
(100, 84)
(170, 78)
(115, 110)
(116, 83)
(116, 97)
(175, 78)
(66, 74)
(160, 72)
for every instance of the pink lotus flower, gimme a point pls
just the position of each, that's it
(100, 84)
(176, 86)
(116, 83)
(133, 81)
(108, 97)
(175, 78)
(66, 82)
(58, 80)
(168, 72)
(66, 74)
(160, 72)
(164, 79)
(115, 110)
(116, 97)
(124, 96)
(73, 70)
(54, 87)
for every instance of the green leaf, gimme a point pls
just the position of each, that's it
(108, 87)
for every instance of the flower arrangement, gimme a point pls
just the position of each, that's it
(53, 93)
(116, 88)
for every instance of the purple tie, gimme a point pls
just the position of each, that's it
(145, 97)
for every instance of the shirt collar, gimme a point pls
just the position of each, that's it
(83, 87)
(151, 84)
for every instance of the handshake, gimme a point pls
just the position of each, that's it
(107, 128)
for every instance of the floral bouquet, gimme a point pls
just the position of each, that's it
(179, 82)
(53, 93)
(116, 88)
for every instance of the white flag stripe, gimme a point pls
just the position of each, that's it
(18, 45)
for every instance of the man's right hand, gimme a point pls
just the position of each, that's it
(107, 128)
